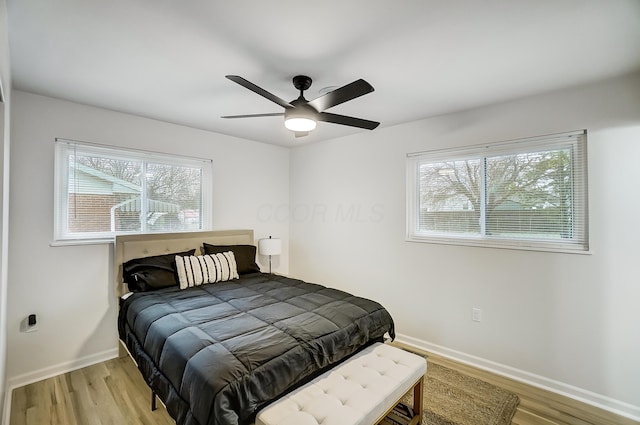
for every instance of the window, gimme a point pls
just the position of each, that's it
(102, 191)
(528, 194)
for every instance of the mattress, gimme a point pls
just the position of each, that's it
(216, 354)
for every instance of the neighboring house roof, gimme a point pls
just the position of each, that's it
(87, 180)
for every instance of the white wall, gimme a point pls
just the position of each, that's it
(566, 321)
(5, 86)
(70, 287)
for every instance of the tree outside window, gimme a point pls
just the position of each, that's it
(522, 191)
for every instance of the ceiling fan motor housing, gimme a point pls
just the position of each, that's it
(301, 109)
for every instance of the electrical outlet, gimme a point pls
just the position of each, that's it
(26, 327)
(476, 314)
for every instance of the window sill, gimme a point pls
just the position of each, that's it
(74, 242)
(501, 244)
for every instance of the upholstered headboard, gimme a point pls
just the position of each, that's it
(128, 247)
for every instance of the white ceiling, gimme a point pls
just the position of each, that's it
(166, 59)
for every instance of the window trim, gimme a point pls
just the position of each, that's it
(60, 191)
(578, 142)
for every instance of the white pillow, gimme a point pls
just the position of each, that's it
(196, 270)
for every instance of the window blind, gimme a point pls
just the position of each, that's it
(528, 193)
(101, 191)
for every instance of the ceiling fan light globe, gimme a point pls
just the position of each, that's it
(300, 124)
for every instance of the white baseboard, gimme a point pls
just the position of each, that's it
(597, 400)
(51, 371)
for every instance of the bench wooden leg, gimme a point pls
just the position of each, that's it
(417, 402)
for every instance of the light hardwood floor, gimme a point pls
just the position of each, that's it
(108, 393)
(113, 392)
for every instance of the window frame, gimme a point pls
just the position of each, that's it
(62, 149)
(576, 140)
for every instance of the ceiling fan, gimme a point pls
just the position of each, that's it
(301, 115)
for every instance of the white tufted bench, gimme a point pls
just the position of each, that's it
(360, 391)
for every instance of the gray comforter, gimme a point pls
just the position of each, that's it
(216, 354)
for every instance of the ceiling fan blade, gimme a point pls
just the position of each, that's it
(262, 92)
(275, 114)
(345, 120)
(340, 95)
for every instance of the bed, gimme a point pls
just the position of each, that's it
(217, 353)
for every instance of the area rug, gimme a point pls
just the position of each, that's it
(451, 398)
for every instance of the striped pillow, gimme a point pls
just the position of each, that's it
(196, 270)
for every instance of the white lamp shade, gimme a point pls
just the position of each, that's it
(270, 246)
